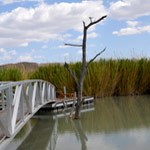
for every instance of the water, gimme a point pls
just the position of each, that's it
(120, 123)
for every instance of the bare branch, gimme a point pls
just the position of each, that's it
(71, 72)
(80, 80)
(96, 56)
(95, 22)
(83, 24)
(75, 45)
(91, 19)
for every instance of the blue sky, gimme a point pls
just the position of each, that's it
(36, 30)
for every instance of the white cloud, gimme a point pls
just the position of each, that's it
(44, 22)
(33, 55)
(2, 50)
(7, 56)
(39, 57)
(132, 23)
(25, 58)
(5, 2)
(92, 35)
(132, 29)
(12, 56)
(24, 44)
(44, 46)
(62, 46)
(89, 36)
(129, 9)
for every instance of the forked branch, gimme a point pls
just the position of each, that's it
(71, 72)
(79, 82)
(96, 56)
(95, 22)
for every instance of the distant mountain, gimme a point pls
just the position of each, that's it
(26, 66)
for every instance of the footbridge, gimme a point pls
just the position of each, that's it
(19, 101)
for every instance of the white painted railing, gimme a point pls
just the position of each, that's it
(20, 101)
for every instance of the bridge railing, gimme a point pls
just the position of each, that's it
(20, 101)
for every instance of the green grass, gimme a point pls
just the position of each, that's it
(56, 74)
(119, 77)
(10, 74)
(104, 77)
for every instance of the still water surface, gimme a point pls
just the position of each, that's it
(118, 123)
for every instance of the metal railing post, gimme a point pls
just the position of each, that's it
(20, 101)
(9, 98)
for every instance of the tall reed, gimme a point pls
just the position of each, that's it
(101, 78)
(104, 77)
(56, 74)
(10, 74)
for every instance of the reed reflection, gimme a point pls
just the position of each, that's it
(118, 113)
(114, 123)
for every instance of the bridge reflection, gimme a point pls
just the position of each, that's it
(42, 137)
(19, 101)
(41, 132)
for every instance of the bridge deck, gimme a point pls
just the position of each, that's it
(3, 117)
(19, 101)
(57, 104)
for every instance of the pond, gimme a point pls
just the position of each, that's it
(116, 123)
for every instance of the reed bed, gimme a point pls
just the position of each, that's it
(10, 74)
(118, 77)
(104, 77)
(55, 74)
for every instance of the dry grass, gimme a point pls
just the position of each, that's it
(104, 77)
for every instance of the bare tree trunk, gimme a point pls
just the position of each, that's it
(79, 101)
(79, 82)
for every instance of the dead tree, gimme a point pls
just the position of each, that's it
(79, 81)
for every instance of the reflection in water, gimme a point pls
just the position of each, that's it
(42, 136)
(119, 123)
(79, 132)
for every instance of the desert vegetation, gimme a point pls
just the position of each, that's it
(10, 74)
(104, 77)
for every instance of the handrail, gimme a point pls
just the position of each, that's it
(20, 101)
(11, 83)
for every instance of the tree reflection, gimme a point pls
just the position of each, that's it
(79, 132)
